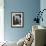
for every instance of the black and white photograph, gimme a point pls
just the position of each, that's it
(17, 19)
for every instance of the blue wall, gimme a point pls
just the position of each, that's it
(43, 6)
(29, 7)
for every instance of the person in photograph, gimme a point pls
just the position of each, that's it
(17, 19)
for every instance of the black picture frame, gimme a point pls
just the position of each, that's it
(17, 19)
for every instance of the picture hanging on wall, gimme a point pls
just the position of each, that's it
(17, 19)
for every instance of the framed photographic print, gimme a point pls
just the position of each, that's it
(17, 19)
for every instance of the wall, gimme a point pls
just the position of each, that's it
(29, 7)
(43, 6)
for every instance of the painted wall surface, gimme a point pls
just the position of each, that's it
(29, 7)
(43, 6)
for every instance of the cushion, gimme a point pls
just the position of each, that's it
(20, 42)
